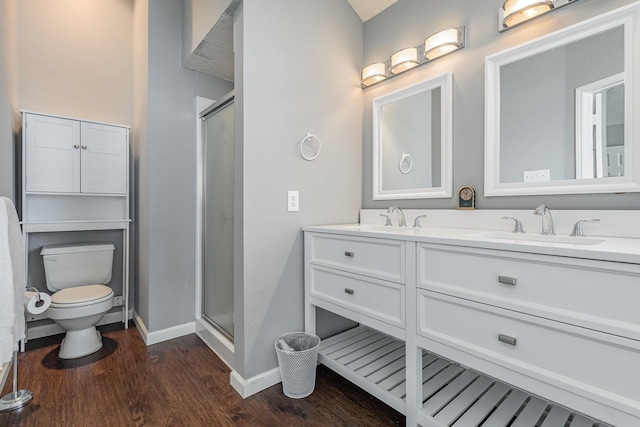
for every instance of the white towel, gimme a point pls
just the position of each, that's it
(12, 280)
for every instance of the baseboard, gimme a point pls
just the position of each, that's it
(52, 328)
(155, 337)
(256, 384)
(217, 342)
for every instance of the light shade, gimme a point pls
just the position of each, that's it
(374, 73)
(404, 60)
(517, 11)
(442, 43)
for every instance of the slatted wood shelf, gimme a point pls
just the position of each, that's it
(453, 396)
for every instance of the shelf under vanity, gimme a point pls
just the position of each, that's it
(452, 395)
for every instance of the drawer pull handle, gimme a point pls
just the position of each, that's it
(507, 339)
(349, 254)
(348, 291)
(507, 280)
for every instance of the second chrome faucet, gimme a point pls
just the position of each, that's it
(547, 221)
(402, 222)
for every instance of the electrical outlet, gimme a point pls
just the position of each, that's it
(537, 176)
(293, 201)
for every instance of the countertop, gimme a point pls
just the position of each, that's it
(616, 249)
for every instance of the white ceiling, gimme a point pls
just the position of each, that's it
(367, 9)
(214, 55)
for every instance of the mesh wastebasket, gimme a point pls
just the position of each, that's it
(297, 357)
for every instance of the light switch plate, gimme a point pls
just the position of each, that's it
(537, 176)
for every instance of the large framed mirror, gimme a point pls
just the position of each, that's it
(561, 111)
(412, 141)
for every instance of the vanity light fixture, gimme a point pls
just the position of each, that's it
(514, 12)
(443, 42)
(374, 73)
(435, 46)
(404, 60)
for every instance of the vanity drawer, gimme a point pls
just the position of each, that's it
(592, 364)
(594, 294)
(378, 299)
(378, 258)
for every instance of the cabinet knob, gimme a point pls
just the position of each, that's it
(349, 254)
(76, 146)
(507, 280)
(348, 291)
(507, 339)
(84, 147)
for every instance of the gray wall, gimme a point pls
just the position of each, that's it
(296, 77)
(139, 187)
(532, 129)
(537, 102)
(166, 157)
(407, 23)
(8, 85)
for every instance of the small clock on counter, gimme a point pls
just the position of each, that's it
(466, 197)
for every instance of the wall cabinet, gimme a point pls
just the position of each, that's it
(75, 178)
(454, 334)
(72, 156)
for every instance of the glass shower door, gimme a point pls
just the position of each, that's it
(219, 161)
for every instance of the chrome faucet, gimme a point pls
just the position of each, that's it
(401, 221)
(387, 221)
(517, 226)
(416, 222)
(547, 221)
(578, 231)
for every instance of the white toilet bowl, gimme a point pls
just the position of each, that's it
(76, 274)
(77, 310)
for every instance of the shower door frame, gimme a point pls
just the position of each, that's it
(215, 336)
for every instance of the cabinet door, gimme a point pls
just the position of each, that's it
(104, 159)
(52, 154)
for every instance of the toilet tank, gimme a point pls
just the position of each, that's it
(66, 266)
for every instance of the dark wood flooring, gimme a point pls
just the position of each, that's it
(180, 382)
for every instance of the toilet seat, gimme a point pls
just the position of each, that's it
(79, 296)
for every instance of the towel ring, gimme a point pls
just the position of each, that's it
(305, 141)
(408, 160)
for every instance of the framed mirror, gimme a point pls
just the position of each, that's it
(560, 111)
(412, 141)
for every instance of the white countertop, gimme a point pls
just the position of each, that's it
(617, 249)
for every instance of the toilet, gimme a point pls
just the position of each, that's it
(76, 275)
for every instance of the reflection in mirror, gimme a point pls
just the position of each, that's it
(558, 111)
(600, 128)
(411, 130)
(537, 100)
(412, 141)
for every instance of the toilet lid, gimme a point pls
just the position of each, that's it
(81, 294)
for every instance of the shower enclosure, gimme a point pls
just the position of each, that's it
(218, 215)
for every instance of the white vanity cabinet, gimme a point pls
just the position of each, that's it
(454, 331)
(72, 156)
(560, 327)
(362, 279)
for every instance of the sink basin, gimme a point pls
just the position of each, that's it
(517, 237)
(373, 227)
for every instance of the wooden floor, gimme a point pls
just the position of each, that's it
(176, 383)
